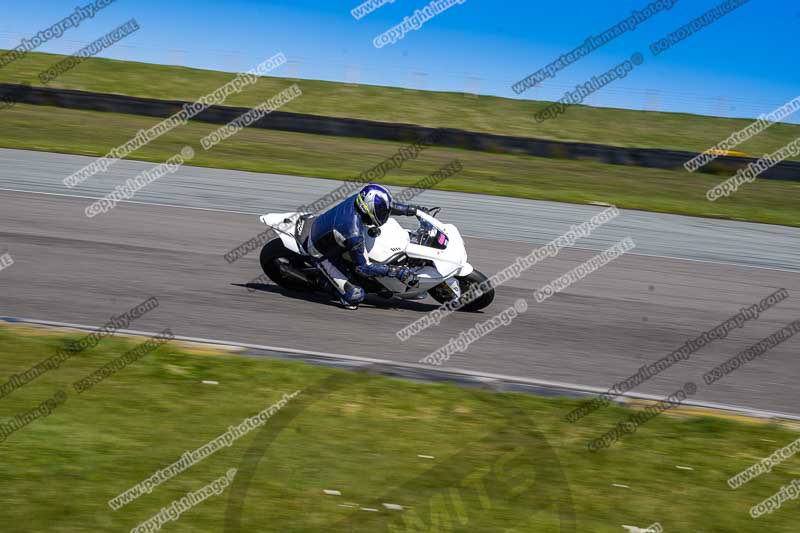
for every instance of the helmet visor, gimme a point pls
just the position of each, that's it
(382, 211)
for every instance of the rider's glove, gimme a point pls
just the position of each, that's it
(404, 274)
(410, 210)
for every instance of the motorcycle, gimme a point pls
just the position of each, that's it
(434, 251)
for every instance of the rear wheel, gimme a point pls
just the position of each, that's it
(276, 260)
(441, 293)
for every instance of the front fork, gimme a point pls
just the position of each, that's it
(454, 287)
(449, 287)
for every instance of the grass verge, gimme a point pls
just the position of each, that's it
(493, 462)
(94, 133)
(505, 116)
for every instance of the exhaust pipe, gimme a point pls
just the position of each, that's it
(292, 273)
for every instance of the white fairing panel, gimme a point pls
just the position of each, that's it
(447, 263)
(284, 231)
(392, 240)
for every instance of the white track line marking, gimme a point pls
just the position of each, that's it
(393, 506)
(756, 413)
(590, 249)
(155, 204)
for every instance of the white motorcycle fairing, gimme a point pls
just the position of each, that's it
(447, 263)
(393, 241)
(285, 231)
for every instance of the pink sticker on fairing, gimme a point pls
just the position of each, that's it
(442, 238)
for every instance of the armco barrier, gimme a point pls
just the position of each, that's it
(387, 131)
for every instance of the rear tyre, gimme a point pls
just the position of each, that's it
(465, 283)
(273, 255)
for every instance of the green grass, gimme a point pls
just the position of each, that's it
(502, 462)
(94, 133)
(506, 116)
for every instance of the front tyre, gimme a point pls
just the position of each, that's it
(441, 293)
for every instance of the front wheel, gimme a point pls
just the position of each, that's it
(441, 293)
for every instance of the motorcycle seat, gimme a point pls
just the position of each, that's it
(303, 230)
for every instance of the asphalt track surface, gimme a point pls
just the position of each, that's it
(685, 276)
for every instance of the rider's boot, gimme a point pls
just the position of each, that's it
(344, 304)
(348, 294)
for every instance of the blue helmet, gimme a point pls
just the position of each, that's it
(375, 205)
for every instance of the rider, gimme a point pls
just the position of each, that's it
(341, 229)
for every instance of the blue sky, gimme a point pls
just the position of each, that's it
(742, 65)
